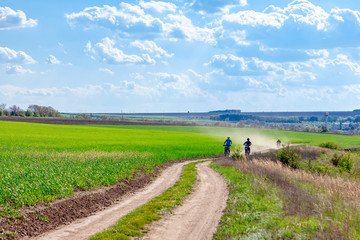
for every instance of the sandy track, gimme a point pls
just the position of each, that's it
(199, 216)
(86, 227)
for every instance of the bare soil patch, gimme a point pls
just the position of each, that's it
(73, 121)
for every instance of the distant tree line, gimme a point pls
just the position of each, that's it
(32, 111)
(276, 119)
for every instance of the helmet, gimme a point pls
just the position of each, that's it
(228, 137)
(248, 139)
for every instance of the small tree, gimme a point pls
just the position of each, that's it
(29, 113)
(15, 110)
(1, 113)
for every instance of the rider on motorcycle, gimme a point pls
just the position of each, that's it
(247, 145)
(227, 144)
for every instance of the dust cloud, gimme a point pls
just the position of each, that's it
(260, 141)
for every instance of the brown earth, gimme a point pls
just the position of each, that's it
(73, 121)
(83, 204)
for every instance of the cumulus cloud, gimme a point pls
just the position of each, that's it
(129, 19)
(181, 27)
(151, 47)
(14, 91)
(17, 69)
(292, 26)
(106, 51)
(8, 55)
(52, 60)
(10, 19)
(159, 6)
(135, 21)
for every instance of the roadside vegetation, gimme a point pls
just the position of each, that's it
(40, 163)
(292, 193)
(134, 224)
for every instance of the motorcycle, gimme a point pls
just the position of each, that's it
(247, 150)
(227, 151)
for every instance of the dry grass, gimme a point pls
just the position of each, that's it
(333, 185)
(332, 200)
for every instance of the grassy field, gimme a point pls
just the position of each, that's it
(40, 162)
(259, 137)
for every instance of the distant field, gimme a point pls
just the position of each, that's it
(41, 162)
(259, 137)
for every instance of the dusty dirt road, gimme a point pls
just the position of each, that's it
(199, 216)
(204, 208)
(86, 227)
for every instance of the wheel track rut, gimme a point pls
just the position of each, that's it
(197, 218)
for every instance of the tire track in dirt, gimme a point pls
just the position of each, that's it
(86, 227)
(200, 213)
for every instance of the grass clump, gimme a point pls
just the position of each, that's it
(287, 156)
(329, 145)
(343, 162)
(134, 223)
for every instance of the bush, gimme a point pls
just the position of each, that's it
(236, 153)
(288, 156)
(330, 145)
(344, 162)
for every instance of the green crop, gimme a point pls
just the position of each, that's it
(40, 162)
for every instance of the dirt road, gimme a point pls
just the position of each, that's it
(210, 185)
(198, 217)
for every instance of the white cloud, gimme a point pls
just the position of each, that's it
(14, 91)
(10, 19)
(297, 12)
(106, 51)
(132, 21)
(256, 68)
(181, 27)
(159, 6)
(151, 47)
(291, 26)
(177, 84)
(107, 71)
(17, 69)
(52, 60)
(8, 55)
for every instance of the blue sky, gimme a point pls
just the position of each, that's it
(158, 56)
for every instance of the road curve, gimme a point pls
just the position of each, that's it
(200, 213)
(86, 227)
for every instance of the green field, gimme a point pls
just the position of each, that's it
(259, 137)
(41, 162)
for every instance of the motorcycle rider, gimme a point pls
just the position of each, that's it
(227, 144)
(278, 143)
(247, 144)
